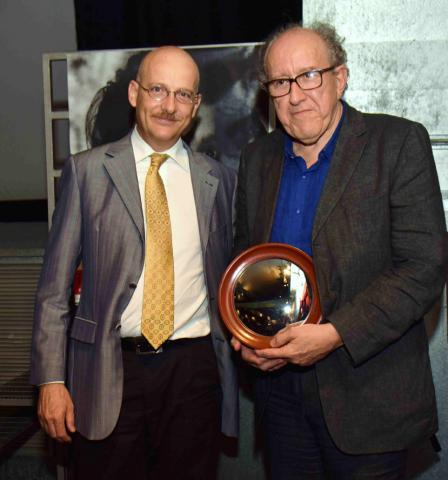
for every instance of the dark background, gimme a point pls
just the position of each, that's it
(138, 23)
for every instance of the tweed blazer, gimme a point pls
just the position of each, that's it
(380, 252)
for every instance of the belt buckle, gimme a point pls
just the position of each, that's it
(147, 349)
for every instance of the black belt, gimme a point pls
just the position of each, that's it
(141, 346)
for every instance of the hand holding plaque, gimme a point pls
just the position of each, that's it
(266, 288)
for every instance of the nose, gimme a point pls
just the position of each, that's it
(169, 103)
(296, 95)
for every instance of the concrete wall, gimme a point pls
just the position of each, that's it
(398, 60)
(28, 28)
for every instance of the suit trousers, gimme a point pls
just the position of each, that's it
(297, 441)
(169, 423)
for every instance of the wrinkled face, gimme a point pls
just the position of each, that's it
(161, 122)
(310, 116)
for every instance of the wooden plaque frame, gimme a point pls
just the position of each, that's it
(265, 251)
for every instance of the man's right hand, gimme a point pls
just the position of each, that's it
(56, 411)
(250, 356)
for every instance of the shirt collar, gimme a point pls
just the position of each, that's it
(142, 150)
(327, 152)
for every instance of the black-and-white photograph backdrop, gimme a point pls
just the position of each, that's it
(234, 109)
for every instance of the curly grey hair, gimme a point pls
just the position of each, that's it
(336, 52)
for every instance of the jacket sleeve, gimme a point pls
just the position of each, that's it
(400, 295)
(52, 311)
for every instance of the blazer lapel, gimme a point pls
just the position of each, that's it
(205, 186)
(120, 165)
(269, 187)
(348, 151)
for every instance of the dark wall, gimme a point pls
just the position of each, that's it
(137, 23)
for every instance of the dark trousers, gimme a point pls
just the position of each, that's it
(298, 444)
(169, 422)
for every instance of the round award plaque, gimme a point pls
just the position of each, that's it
(265, 289)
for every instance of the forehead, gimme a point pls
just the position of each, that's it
(172, 68)
(297, 50)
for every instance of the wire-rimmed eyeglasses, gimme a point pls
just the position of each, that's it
(279, 87)
(159, 92)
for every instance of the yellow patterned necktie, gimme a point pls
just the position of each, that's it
(158, 290)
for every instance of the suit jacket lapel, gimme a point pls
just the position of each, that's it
(348, 151)
(120, 165)
(205, 186)
(269, 187)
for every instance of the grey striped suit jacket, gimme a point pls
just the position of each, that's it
(98, 220)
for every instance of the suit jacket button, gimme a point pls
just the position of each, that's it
(132, 285)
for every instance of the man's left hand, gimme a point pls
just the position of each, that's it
(303, 344)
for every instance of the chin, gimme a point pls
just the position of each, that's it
(309, 141)
(307, 132)
(305, 137)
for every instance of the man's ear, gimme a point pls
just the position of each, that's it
(196, 105)
(342, 78)
(132, 93)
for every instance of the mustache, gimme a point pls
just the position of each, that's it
(165, 115)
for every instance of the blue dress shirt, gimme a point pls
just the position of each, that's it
(299, 194)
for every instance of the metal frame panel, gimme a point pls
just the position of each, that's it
(51, 113)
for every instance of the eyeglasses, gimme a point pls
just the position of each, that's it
(279, 87)
(160, 92)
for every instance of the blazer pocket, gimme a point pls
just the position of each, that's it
(83, 330)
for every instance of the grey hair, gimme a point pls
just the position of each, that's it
(333, 41)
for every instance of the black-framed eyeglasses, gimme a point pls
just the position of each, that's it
(279, 87)
(159, 92)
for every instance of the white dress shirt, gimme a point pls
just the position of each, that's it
(191, 317)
